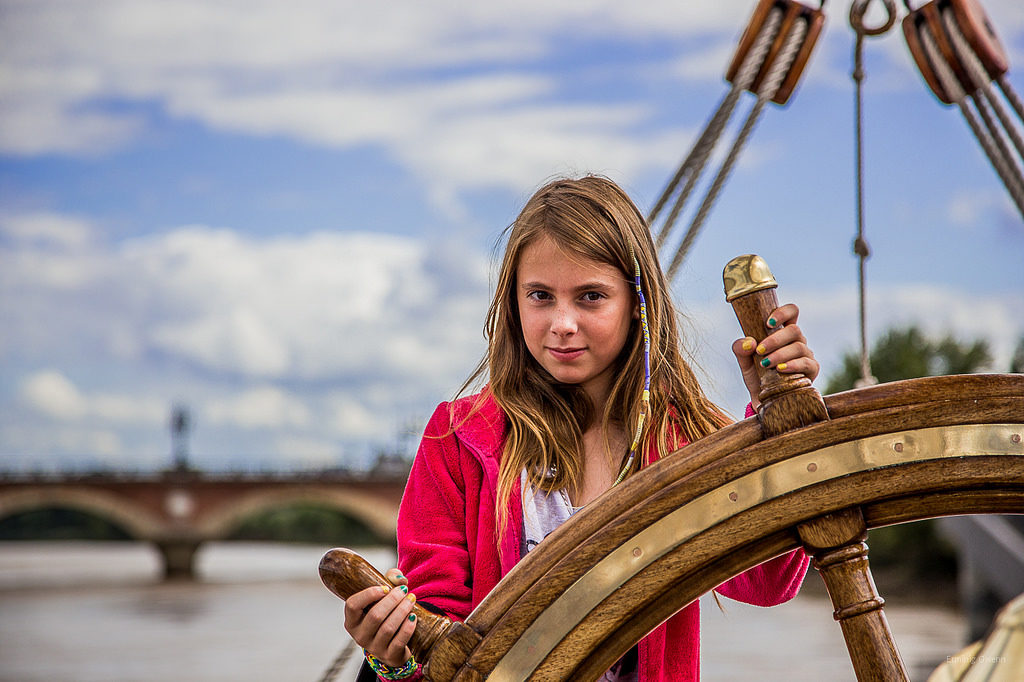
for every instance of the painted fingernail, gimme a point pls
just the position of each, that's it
(411, 597)
(399, 577)
(761, 350)
(781, 365)
(747, 344)
(412, 617)
(766, 362)
(403, 588)
(772, 322)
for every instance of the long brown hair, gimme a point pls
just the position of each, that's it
(592, 218)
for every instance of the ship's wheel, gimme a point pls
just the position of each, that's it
(806, 472)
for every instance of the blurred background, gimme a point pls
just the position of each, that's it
(256, 241)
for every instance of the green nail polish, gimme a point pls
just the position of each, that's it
(412, 617)
(404, 589)
(766, 362)
(772, 322)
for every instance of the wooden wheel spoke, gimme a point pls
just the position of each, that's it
(837, 543)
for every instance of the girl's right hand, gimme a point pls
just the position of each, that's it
(381, 621)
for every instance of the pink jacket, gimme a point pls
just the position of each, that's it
(447, 544)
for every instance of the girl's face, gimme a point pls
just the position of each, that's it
(575, 314)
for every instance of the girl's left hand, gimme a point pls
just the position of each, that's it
(784, 349)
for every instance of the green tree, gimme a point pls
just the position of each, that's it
(306, 523)
(59, 523)
(1017, 363)
(906, 353)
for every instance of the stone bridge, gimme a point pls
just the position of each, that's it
(179, 510)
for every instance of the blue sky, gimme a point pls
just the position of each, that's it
(283, 214)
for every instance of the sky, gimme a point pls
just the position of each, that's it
(286, 216)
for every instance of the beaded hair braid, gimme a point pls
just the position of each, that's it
(645, 400)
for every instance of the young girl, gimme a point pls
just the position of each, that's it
(587, 385)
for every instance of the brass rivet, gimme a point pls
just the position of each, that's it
(898, 447)
(733, 496)
(637, 552)
(812, 467)
(1015, 438)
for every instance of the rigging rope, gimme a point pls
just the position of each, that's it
(959, 56)
(1011, 96)
(698, 156)
(340, 662)
(983, 86)
(768, 88)
(748, 73)
(1009, 174)
(860, 245)
(769, 61)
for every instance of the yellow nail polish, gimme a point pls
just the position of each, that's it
(747, 344)
(411, 597)
(761, 350)
(781, 365)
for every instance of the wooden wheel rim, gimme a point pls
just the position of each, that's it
(568, 585)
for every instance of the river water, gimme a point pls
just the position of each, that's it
(97, 612)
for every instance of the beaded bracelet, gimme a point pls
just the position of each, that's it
(388, 672)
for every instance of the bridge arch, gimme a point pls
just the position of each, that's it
(135, 520)
(377, 514)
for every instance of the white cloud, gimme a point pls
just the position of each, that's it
(313, 306)
(51, 393)
(709, 64)
(48, 229)
(328, 336)
(29, 129)
(237, 338)
(355, 418)
(265, 407)
(105, 444)
(128, 409)
(463, 97)
(31, 448)
(967, 207)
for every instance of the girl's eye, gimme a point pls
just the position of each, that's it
(592, 296)
(538, 295)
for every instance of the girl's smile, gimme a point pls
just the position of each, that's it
(575, 315)
(566, 354)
